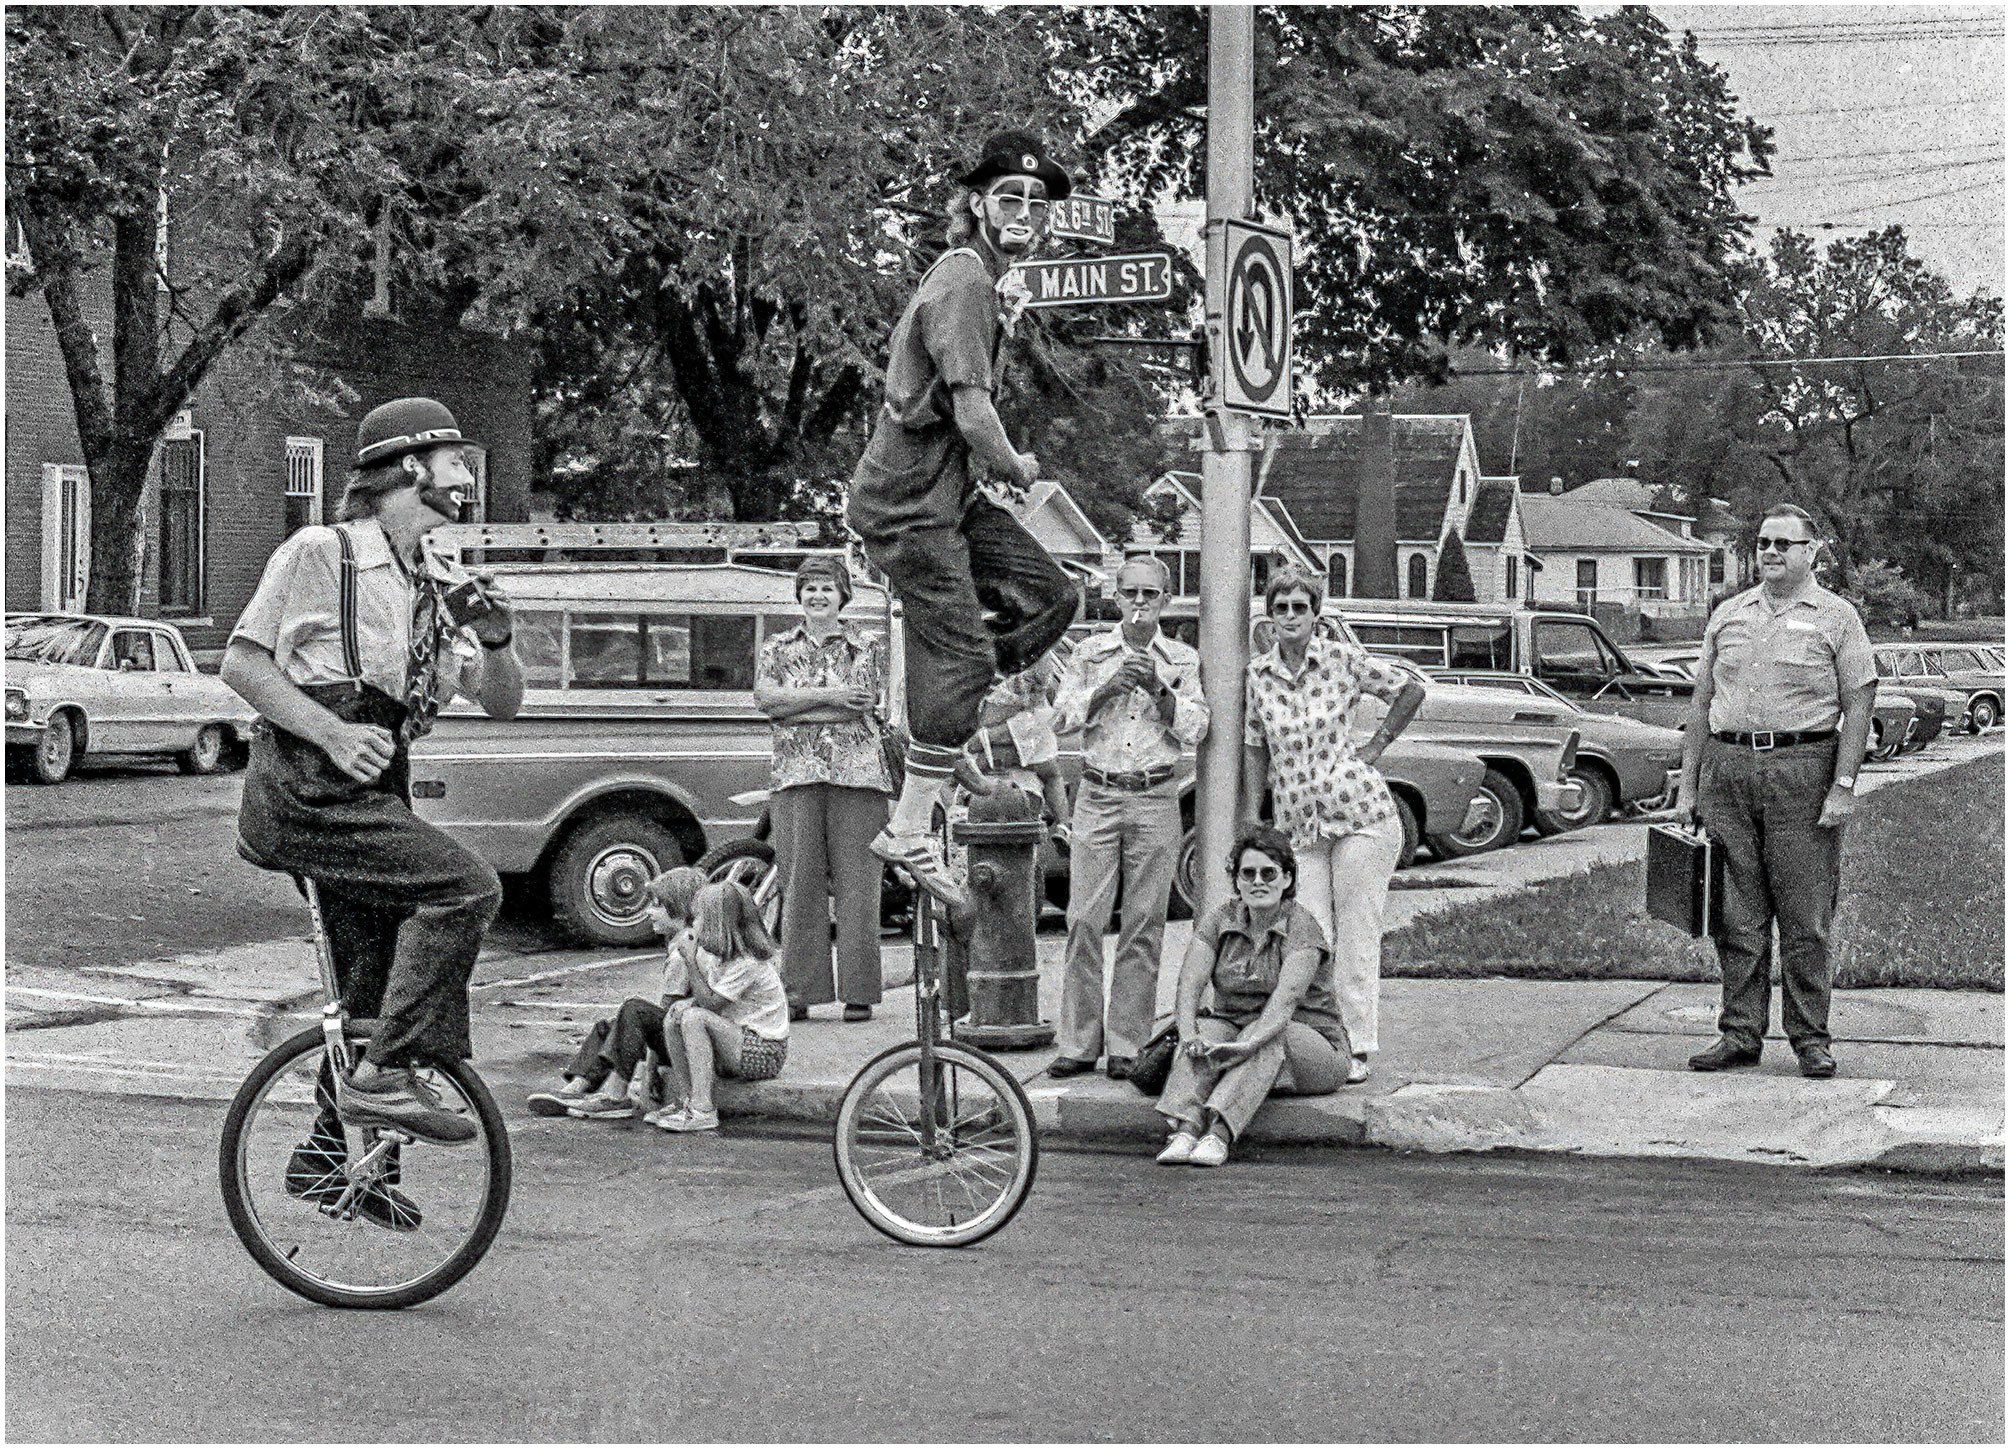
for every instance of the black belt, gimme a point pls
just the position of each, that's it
(1133, 780)
(1773, 739)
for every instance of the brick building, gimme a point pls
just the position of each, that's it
(261, 450)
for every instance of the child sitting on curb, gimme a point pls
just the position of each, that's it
(736, 1020)
(601, 1082)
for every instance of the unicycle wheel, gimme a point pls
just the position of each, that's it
(352, 1217)
(967, 1183)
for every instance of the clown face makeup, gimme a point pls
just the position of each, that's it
(1013, 213)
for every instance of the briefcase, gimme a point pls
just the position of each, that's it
(1685, 878)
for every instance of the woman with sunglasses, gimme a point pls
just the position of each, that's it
(1325, 792)
(1272, 1023)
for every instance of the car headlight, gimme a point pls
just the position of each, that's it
(17, 704)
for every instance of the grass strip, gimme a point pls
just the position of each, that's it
(1921, 905)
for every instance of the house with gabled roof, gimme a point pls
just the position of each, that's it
(1274, 538)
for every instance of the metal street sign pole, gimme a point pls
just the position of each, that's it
(1225, 471)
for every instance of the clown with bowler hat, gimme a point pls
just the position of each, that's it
(980, 597)
(353, 641)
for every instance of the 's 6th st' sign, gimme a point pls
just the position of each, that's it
(1145, 277)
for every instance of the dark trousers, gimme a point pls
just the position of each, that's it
(1760, 807)
(946, 578)
(406, 906)
(620, 1043)
(821, 833)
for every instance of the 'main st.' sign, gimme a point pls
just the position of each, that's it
(1145, 277)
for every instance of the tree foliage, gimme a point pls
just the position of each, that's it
(1454, 583)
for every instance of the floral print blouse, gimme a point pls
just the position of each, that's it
(835, 753)
(1320, 789)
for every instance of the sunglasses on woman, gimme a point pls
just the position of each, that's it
(1292, 608)
(1260, 874)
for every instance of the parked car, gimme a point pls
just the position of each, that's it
(1678, 661)
(1622, 764)
(97, 684)
(1934, 712)
(639, 731)
(1960, 668)
(1567, 651)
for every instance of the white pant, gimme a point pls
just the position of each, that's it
(1345, 885)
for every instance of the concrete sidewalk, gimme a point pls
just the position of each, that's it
(1470, 1065)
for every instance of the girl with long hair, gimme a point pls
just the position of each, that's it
(736, 1021)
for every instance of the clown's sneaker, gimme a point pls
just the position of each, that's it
(916, 855)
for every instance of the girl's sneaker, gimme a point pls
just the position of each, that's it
(554, 1104)
(603, 1106)
(693, 1122)
(664, 1116)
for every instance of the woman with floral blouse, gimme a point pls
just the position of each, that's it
(823, 685)
(1326, 794)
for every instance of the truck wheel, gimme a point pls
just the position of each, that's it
(1594, 804)
(55, 751)
(207, 756)
(598, 876)
(1981, 715)
(1499, 825)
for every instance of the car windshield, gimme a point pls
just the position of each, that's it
(54, 641)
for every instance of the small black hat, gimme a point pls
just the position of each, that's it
(1018, 153)
(406, 425)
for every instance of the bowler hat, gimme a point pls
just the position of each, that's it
(1018, 153)
(405, 425)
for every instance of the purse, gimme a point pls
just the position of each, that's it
(1155, 1059)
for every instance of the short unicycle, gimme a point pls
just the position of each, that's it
(357, 1217)
(935, 1143)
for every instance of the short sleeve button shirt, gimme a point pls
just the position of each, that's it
(839, 752)
(1784, 667)
(1320, 789)
(1248, 962)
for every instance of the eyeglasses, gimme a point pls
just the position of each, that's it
(1291, 608)
(1260, 874)
(1010, 203)
(1141, 596)
(1779, 545)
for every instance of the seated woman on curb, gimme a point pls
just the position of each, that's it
(1273, 1024)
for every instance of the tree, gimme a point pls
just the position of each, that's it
(773, 186)
(284, 146)
(1520, 177)
(1454, 584)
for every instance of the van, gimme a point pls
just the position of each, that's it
(639, 728)
(1567, 651)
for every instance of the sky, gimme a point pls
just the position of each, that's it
(1880, 114)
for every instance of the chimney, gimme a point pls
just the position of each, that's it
(1556, 487)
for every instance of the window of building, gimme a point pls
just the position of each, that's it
(1419, 583)
(1716, 566)
(182, 524)
(1182, 570)
(1587, 582)
(1336, 575)
(1513, 577)
(1650, 578)
(303, 483)
(1260, 565)
(1462, 485)
(66, 535)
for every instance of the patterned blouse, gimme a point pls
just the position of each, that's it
(1320, 788)
(837, 753)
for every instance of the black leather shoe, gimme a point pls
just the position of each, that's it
(855, 1012)
(1723, 1056)
(798, 1013)
(1816, 1061)
(1119, 1068)
(1068, 1067)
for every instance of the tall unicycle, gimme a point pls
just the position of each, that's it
(357, 1217)
(935, 1143)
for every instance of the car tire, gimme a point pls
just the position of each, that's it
(1502, 827)
(1879, 750)
(1982, 715)
(1413, 835)
(209, 755)
(55, 752)
(1184, 902)
(1596, 806)
(597, 878)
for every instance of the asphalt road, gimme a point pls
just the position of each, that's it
(647, 1288)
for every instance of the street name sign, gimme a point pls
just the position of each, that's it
(1144, 277)
(1083, 217)
(1256, 320)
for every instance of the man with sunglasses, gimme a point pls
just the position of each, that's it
(1135, 695)
(980, 597)
(1781, 716)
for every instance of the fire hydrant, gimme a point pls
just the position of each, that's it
(1001, 976)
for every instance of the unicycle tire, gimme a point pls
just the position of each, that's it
(293, 1222)
(972, 1183)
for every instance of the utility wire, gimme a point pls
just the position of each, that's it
(1869, 110)
(1923, 196)
(1833, 178)
(1729, 366)
(1874, 155)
